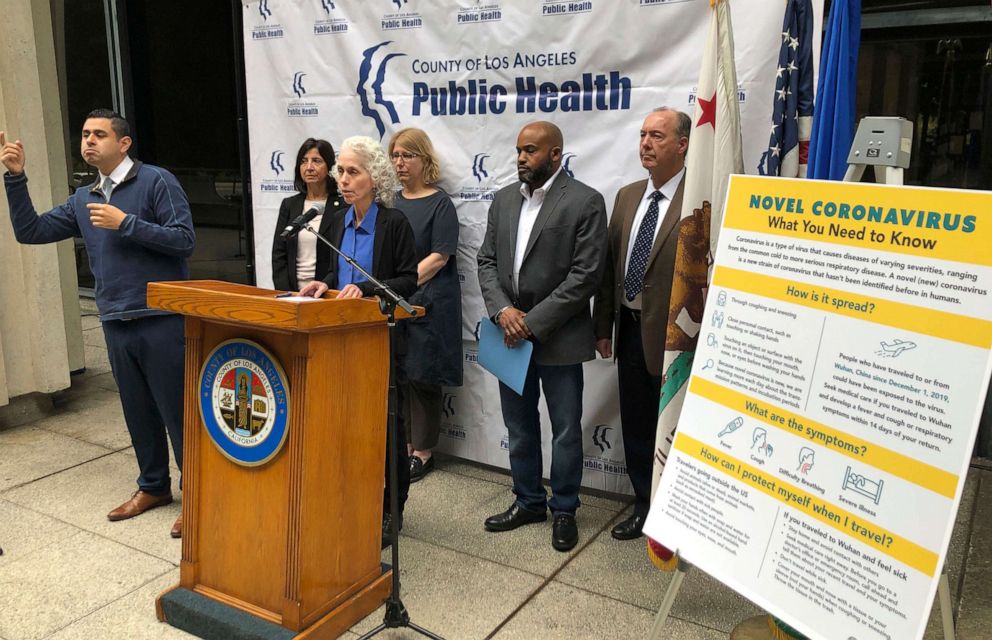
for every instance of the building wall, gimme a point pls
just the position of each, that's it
(40, 332)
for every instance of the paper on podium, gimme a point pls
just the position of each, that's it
(295, 298)
(508, 364)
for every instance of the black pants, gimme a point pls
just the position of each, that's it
(639, 396)
(146, 355)
(398, 444)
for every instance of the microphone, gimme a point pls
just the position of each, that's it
(294, 227)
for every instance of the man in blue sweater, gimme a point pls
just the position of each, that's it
(137, 226)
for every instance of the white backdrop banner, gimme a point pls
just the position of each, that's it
(471, 73)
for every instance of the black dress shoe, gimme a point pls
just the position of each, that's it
(564, 532)
(419, 468)
(515, 516)
(629, 529)
(387, 529)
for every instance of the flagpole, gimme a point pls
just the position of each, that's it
(714, 153)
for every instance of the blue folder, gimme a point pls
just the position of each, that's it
(509, 365)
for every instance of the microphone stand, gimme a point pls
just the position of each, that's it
(396, 614)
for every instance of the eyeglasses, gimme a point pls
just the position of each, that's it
(404, 154)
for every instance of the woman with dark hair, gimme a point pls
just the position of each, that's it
(299, 260)
(434, 348)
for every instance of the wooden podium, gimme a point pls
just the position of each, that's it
(294, 541)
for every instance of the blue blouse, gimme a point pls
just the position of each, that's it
(358, 243)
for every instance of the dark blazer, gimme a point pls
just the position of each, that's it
(657, 275)
(394, 260)
(561, 270)
(284, 250)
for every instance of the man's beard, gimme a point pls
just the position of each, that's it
(535, 178)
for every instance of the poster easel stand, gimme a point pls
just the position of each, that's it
(666, 605)
(883, 143)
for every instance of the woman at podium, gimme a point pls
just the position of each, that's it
(434, 342)
(300, 259)
(380, 239)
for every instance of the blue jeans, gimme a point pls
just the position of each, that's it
(563, 392)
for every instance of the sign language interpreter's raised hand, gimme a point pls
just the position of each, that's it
(11, 154)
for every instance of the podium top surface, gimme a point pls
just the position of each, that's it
(252, 306)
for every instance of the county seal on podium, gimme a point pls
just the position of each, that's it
(244, 402)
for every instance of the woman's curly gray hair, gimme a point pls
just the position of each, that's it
(374, 160)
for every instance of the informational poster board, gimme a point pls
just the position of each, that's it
(843, 362)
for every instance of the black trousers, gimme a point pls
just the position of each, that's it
(146, 355)
(639, 397)
(398, 444)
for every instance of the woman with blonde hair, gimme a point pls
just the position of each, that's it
(434, 344)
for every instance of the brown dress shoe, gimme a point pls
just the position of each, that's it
(138, 504)
(177, 528)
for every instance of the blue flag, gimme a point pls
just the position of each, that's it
(833, 125)
(792, 109)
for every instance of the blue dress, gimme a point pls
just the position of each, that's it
(434, 342)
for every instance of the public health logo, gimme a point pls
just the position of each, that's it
(276, 162)
(369, 106)
(479, 13)
(400, 17)
(244, 402)
(566, 164)
(267, 30)
(301, 108)
(327, 25)
(298, 88)
(556, 8)
(599, 437)
(486, 180)
(478, 166)
(278, 183)
(604, 461)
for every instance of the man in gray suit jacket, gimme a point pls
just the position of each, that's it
(632, 305)
(539, 265)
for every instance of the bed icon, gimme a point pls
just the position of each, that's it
(862, 485)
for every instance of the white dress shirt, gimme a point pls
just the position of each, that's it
(117, 175)
(668, 191)
(528, 215)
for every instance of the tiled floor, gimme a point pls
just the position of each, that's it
(68, 573)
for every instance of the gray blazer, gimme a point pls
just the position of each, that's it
(561, 270)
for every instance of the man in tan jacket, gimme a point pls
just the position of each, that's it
(631, 308)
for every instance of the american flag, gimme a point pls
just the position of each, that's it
(792, 113)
